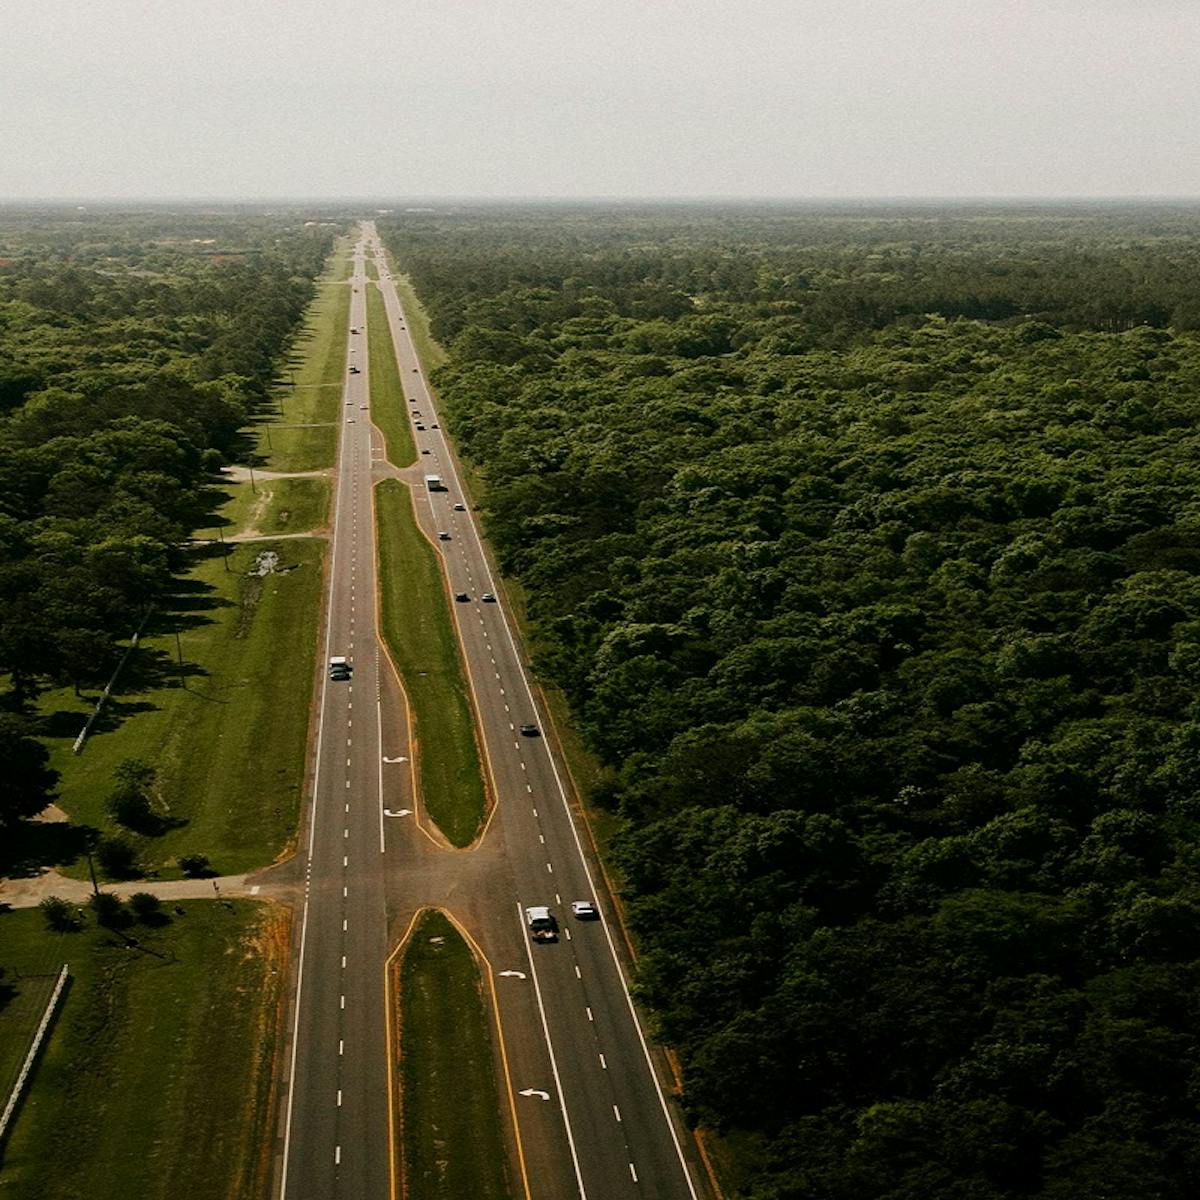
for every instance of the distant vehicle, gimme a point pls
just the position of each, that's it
(424, 451)
(434, 425)
(353, 329)
(585, 910)
(542, 925)
(363, 407)
(434, 483)
(339, 668)
(349, 420)
(460, 508)
(488, 598)
(416, 368)
(528, 730)
(443, 536)
(420, 427)
(354, 370)
(461, 597)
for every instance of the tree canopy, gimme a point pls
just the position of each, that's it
(865, 547)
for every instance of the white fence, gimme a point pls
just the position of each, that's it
(31, 1057)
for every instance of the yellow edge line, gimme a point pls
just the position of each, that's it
(477, 950)
(391, 1060)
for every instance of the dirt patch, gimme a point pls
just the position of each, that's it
(251, 594)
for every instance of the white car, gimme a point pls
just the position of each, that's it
(584, 910)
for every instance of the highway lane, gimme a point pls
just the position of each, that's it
(622, 1137)
(336, 1125)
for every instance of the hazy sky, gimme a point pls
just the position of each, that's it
(319, 98)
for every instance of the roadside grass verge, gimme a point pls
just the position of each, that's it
(303, 433)
(229, 747)
(388, 409)
(274, 506)
(428, 349)
(452, 1137)
(420, 636)
(156, 1080)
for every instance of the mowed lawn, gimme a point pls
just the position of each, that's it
(272, 506)
(303, 432)
(388, 407)
(156, 1080)
(229, 745)
(420, 635)
(452, 1138)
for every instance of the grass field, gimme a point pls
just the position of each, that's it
(303, 435)
(273, 506)
(420, 635)
(388, 408)
(156, 1079)
(372, 269)
(452, 1140)
(230, 746)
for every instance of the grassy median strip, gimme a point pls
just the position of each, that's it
(228, 746)
(388, 409)
(156, 1079)
(421, 638)
(452, 1138)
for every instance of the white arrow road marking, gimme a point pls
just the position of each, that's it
(513, 974)
(404, 812)
(535, 1092)
(395, 760)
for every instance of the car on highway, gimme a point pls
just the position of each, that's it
(443, 536)
(354, 370)
(488, 598)
(339, 668)
(460, 508)
(585, 910)
(363, 407)
(542, 925)
(433, 425)
(353, 329)
(424, 451)
(529, 730)
(349, 420)
(415, 369)
(461, 597)
(420, 427)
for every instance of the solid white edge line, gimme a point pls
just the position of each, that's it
(312, 829)
(562, 1102)
(379, 739)
(562, 793)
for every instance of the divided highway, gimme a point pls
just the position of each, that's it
(589, 1112)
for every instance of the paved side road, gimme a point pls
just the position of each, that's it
(28, 892)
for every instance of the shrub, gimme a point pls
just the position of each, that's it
(61, 915)
(196, 866)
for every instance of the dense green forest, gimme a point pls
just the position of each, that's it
(865, 546)
(133, 347)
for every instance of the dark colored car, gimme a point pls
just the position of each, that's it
(528, 730)
(461, 597)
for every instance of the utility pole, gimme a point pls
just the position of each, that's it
(179, 652)
(92, 872)
(224, 545)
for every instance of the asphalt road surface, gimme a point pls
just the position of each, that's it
(586, 1099)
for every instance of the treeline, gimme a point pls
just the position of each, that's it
(888, 631)
(127, 367)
